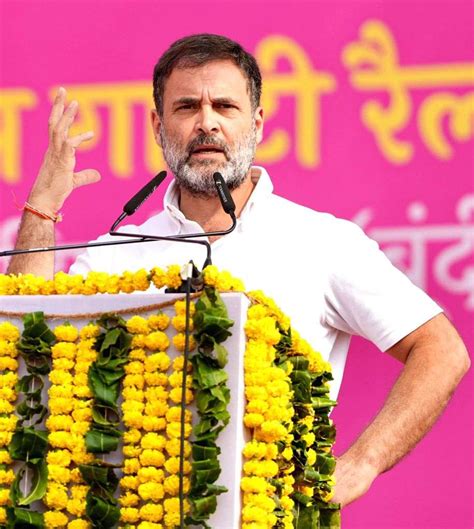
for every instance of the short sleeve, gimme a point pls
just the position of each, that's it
(367, 295)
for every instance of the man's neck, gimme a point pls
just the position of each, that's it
(208, 212)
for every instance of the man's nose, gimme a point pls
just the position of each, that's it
(207, 121)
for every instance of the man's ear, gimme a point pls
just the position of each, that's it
(258, 116)
(156, 125)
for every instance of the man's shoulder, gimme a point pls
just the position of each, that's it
(291, 213)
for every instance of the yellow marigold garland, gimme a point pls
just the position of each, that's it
(268, 415)
(267, 481)
(9, 336)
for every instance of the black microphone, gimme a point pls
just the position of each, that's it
(137, 200)
(225, 197)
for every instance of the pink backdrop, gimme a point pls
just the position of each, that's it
(370, 116)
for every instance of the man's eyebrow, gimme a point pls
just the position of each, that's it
(185, 101)
(225, 101)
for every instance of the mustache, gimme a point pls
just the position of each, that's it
(205, 139)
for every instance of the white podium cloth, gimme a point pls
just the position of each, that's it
(231, 439)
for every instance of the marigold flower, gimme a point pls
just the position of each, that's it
(132, 436)
(179, 342)
(159, 322)
(157, 362)
(129, 514)
(8, 285)
(129, 482)
(173, 276)
(60, 405)
(56, 496)
(134, 367)
(173, 448)
(154, 458)
(179, 323)
(66, 333)
(171, 485)
(176, 395)
(137, 353)
(176, 380)
(59, 474)
(256, 485)
(76, 507)
(172, 465)
(146, 474)
(8, 424)
(129, 499)
(78, 524)
(4, 496)
(157, 408)
(133, 419)
(153, 440)
(140, 280)
(158, 276)
(8, 380)
(154, 424)
(91, 330)
(174, 414)
(8, 349)
(6, 477)
(134, 380)
(155, 379)
(131, 465)
(178, 364)
(59, 422)
(60, 377)
(5, 458)
(151, 491)
(137, 325)
(8, 363)
(157, 341)
(173, 429)
(133, 406)
(55, 519)
(131, 451)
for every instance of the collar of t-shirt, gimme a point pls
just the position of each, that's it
(263, 188)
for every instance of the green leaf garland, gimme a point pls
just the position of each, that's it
(211, 324)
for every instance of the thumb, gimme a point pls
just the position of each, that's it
(87, 176)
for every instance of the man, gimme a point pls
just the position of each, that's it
(331, 279)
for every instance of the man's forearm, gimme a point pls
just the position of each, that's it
(34, 232)
(433, 369)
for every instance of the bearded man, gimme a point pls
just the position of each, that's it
(324, 272)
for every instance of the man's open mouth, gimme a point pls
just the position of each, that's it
(207, 149)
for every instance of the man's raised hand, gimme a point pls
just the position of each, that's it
(56, 178)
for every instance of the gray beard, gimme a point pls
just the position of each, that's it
(196, 176)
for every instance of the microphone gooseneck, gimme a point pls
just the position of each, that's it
(132, 205)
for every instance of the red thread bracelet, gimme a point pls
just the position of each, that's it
(55, 218)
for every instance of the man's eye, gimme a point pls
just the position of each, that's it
(185, 107)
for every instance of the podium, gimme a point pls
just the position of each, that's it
(80, 310)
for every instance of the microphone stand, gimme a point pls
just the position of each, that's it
(131, 207)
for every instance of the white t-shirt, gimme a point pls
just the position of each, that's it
(325, 273)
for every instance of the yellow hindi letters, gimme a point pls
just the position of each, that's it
(374, 66)
(12, 102)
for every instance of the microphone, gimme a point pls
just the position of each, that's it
(132, 205)
(223, 192)
(137, 200)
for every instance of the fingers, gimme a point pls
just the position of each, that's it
(75, 141)
(57, 109)
(87, 176)
(61, 130)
